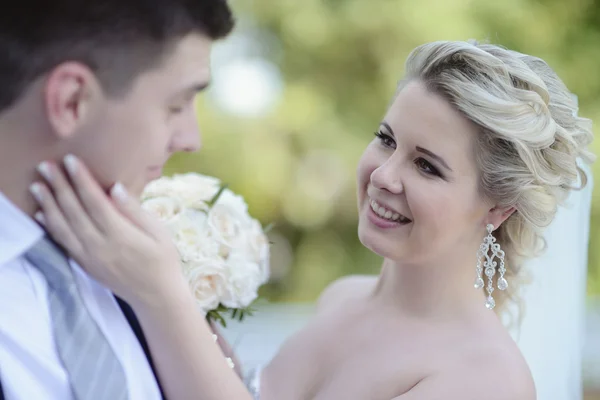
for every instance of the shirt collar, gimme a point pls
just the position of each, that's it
(18, 232)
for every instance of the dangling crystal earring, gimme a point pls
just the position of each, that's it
(489, 243)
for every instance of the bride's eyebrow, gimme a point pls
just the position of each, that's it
(387, 127)
(420, 149)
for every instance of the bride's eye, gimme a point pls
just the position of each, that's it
(426, 167)
(386, 140)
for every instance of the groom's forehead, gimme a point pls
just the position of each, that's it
(188, 63)
(192, 51)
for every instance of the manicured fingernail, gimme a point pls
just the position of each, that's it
(36, 191)
(70, 162)
(45, 170)
(39, 216)
(119, 193)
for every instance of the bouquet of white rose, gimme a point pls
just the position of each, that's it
(224, 251)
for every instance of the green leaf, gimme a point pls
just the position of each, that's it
(269, 228)
(215, 315)
(240, 313)
(215, 198)
(222, 308)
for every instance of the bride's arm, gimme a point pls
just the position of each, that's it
(121, 246)
(189, 363)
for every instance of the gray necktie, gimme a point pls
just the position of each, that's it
(94, 370)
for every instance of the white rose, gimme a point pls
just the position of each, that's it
(234, 202)
(224, 252)
(195, 189)
(192, 236)
(191, 188)
(256, 247)
(256, 240)
(237, 232)
(198, 181)
(227, 228)
(165, 208)
(207, 280)
(162, 187)
(259, 247)
(243, 281)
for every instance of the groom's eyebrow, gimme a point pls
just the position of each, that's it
(190, 91)
(197, 88)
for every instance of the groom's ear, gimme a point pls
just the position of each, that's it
(70, 90)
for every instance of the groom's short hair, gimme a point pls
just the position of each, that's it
(117, 39)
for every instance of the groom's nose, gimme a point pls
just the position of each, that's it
(187, 140)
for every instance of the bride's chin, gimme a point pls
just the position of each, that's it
(376, 245)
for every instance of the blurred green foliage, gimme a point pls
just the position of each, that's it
(340, 61)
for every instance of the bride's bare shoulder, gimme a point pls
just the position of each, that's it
(487, 363)
(346, 288)
(491, 375)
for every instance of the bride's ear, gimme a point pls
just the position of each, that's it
(497, 215)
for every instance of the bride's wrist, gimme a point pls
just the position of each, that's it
(169, 296)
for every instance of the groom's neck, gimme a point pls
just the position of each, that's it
(15, 178)
(21, 198)
(20, 152)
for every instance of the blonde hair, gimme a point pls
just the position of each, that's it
(530, 137)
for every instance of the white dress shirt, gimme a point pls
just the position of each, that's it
(30, 368)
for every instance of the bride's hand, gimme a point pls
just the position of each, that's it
(111, 237)
(129, 251)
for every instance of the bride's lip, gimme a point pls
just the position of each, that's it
(387, 207)
(382, 222)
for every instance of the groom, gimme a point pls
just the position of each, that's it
(113, 82)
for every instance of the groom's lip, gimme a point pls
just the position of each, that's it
(155, 172)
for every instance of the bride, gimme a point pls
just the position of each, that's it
(478, 148)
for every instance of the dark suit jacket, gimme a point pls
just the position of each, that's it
(137, 329)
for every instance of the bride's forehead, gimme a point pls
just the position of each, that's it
(419, 107)
(419, 115)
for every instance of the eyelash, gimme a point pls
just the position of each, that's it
(386, 140)
(181, 108)
(426, 167)
(421, 163)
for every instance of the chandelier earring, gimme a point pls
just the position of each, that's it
(487, 254)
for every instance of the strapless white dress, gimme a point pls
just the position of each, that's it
(252, 381)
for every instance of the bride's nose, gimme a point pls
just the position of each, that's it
(388, 177)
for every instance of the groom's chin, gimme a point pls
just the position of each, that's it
(136, 190)
(135, 187)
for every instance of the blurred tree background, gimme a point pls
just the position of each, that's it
(301, 85)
